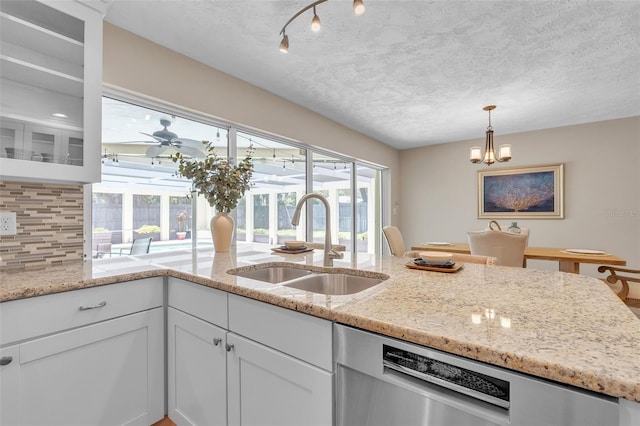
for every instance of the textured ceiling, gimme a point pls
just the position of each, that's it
(415, 73)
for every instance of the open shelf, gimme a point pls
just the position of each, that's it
(35, 75)
(22, 33)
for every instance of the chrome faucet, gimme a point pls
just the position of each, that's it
(329, 253)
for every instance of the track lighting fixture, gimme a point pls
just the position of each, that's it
(358, 9)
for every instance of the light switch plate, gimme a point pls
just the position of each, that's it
(8, 223)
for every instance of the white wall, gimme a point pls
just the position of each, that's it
(137, 65)
(601, 185)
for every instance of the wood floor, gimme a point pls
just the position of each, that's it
(164, 422)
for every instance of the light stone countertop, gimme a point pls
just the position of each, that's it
(564, 327)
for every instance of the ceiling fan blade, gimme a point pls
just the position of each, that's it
(155, 137)
(132, 142)
(191, 142)
(191, 152)
(154, 151)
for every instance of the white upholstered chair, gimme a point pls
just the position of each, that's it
(507, 248)
(396, 243)
(495, 226)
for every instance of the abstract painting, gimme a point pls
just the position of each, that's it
(521, 193)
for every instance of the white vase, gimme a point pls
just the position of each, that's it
(222, 227)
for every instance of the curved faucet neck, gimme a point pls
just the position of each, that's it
(328, 252)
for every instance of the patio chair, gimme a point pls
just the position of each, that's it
(138, 246)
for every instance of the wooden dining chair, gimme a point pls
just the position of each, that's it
(615, 277)
(508, 249)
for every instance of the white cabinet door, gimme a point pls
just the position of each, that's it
(267, 387)
(11, 139)
(9, 386)
(42, 144)
(108, 373)
(51, 76)
(197, 371)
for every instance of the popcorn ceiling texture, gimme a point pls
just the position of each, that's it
(49, 224)
(411, 73)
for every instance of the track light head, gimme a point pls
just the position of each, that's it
(358, 7)
(315, 22)
(284, 44)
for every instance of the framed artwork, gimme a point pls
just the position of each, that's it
(521, 193)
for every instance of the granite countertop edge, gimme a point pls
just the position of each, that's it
(612, 386)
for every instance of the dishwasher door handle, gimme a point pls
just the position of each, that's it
(390, 366)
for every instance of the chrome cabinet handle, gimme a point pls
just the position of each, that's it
(229, 347)
(6, 360)
(216, 341)
(99, 305)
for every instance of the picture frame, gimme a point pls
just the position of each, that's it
(522, 193)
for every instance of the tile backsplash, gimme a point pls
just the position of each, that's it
(49, 224)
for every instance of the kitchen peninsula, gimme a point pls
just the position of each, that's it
(562, 327)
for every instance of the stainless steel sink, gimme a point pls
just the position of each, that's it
(334, 284)
(274, 274)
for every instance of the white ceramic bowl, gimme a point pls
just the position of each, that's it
(438, 257)
(294, 244)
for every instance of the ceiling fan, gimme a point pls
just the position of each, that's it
(168, 139)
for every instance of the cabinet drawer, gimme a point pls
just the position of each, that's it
(300, 335)
(198, 300)
(37, 316)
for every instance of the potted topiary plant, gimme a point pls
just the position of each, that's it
(182, 217)
(222, 183)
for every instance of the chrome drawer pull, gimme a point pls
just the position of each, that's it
(6, 360)
(216, 341)
(229, 347)
(99, 305)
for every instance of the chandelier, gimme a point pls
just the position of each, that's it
(358, 9)
(489, 157)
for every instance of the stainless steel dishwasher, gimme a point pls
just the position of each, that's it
(383, 381)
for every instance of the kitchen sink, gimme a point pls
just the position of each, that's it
(334, 284)
(273, 274)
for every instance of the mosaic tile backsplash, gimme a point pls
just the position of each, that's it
(49, 224)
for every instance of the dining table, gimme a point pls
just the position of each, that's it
(569, 260)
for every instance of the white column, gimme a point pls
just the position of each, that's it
(300, 229)
(165, 220)
(249, 215)
(127, 217)
(273, 217)
(333, 204)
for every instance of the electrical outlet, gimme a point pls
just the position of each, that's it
(8, 223)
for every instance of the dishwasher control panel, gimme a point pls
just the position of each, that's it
(481, 386)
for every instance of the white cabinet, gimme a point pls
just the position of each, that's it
(10, 385)
(197, 373)
(51, 84)
(283, 375)
(94, 357)
(267, 387)
(237, 361)
(196, 355)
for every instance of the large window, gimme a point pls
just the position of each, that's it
(141, 194)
